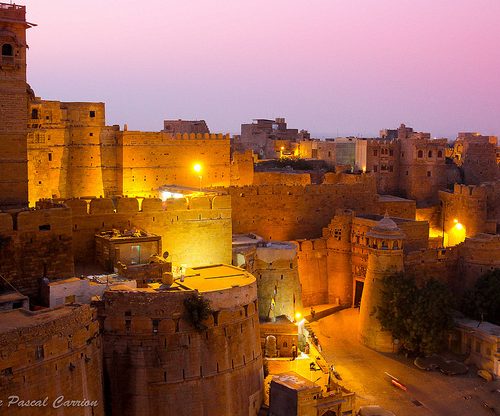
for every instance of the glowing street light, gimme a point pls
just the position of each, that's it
(198, 168)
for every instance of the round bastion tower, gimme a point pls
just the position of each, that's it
(385, 241)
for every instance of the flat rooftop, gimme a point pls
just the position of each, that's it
(12, 320)
(246, 239)
(294, 381)
(204, 279)
(392, 198)
(483, 327)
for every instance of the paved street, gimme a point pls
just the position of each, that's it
(429, 393)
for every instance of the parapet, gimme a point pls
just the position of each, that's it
(96, 206)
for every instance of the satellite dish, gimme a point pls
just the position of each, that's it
(166, 254)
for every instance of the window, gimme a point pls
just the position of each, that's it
(7, 50)
(39, 353)
(44, 227)
(374, 152)
(391, 168)
(420, 154)
(34, 113)
(391, 152)
(428, 173)
(440, 153)
(69, 299)
(50, 157)
(375, 168)
(156, 323)
(92, 114)
(430, 153)
(403, 155)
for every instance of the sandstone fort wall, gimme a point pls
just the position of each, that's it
(175, 369)
(49, 354)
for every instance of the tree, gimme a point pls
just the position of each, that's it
(482, 302)
(418, 317)
(198, 309)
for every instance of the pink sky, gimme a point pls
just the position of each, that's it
(330, 66)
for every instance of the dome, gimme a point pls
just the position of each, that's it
(386, 228)
(386, 223)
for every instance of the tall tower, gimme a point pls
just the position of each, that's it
(385, 258)
(339, 257)
(13, 107)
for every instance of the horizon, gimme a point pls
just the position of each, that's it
(339, 69)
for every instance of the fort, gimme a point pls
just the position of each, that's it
(184, 216)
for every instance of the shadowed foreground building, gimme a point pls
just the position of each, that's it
(157, 363)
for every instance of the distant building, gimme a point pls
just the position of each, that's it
(293, 395)
(185, 126)
(481, 342)
(269, 139)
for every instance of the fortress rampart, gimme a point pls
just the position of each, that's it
(34, 244)
(282, 212)
(51, 353)
(157, 363)
(176, 221)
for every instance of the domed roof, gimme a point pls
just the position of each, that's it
(386, 223)
(386, 228)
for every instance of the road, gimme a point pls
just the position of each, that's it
(429, 393)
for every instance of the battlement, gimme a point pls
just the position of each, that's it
(81, 206)
(12, 11)
(165, 138)
(470, 190)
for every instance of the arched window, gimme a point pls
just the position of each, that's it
(395, 246)
(7, 50)
(440, 153)
(34, 113)
(420, 154)
(384, 245)
(430, 153)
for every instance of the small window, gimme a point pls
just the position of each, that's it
(91, 134)
(44, 227)
(440, 153)
(69, 299)
(430, 153)
(374, 152)
(391, 152)
(156, 323)
(420, 154)
(50, 157)
(406, 173)
(34, 113)
(429, 174)
(92, 114)
(391, 168)
(39, 353)
(375, 168)
(402, 155)
(7, 50)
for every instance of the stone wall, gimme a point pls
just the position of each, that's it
(68, 141)
(283, 212)
(156, 363)
(194, 231)
(51, 353)
(13, 103)
(34, 244)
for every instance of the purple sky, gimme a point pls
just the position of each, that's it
(330, 66)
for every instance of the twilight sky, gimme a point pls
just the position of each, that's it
(346, 67)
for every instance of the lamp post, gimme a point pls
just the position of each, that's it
(198, 168)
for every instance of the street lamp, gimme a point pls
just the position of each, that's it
(198, 168)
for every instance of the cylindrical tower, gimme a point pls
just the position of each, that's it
(157, 362)
(385, 258)
(339, 258)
